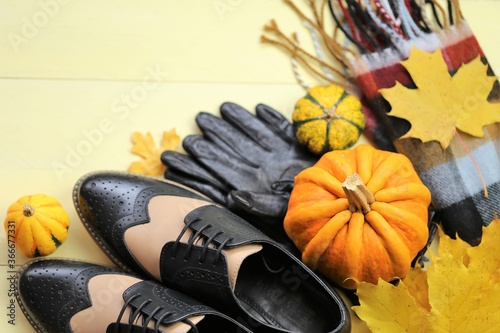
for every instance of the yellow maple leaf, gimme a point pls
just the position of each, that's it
(456, 247)
(462, 286)
(443, 103)
(389, 308)
(145, 147)
(416, 283)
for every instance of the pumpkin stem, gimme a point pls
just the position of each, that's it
(28, 210)
(358, 195)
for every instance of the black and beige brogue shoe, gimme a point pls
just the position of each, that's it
(58, 295)
(177, 236)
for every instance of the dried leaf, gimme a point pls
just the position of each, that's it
(145, 147)
(463, 291)
(388, 308)
(416, 283)
(490, 248)
(456, 247)
(452, 296)
(169, 141)
(443, 103)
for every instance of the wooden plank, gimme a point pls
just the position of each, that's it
(48, 120)
(192, 41)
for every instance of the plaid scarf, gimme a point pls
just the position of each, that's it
(381, 43)
(457, 192)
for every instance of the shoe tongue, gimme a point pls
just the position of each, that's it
(226, 223)
(236, 256)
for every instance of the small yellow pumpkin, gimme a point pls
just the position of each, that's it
(359, 215)
(38, 224)
(328, 118)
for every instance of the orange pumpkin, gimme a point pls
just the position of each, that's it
(359, 215)
(37, 223)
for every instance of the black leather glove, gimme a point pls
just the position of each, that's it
(243, 161)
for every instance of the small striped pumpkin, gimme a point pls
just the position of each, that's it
(38, 223)
(328, 118)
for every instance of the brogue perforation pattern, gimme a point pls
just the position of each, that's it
(110, 203)
(54, 293)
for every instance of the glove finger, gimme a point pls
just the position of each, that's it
(207, 189)
(263, 204)
(229, 138)
(297, 154)
(289, 173)
(276, 121)
(251, 126)
(232, 170)
(282, 185)
(183, 165)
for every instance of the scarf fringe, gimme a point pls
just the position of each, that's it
(373, 32)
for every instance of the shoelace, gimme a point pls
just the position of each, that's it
(206, 241)
(137, 313)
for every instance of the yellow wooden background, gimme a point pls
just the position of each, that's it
(78, 77)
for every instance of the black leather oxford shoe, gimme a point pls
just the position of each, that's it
(59, 295)
(171, 233)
